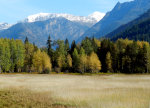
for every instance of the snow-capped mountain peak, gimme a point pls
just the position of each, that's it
(93, 18)
(97, 15)
(4, 26)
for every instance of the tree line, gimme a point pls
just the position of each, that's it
(89, 56)
(93, 56)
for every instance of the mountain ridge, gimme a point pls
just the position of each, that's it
(121, 14)
(60, 26)
(137, 29)
(120, 29)
(92, 18)
(4, 26)
(38, 32)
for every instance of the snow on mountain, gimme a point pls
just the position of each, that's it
(4, 26)
(121, 14)
(97, 15)
(93, 18)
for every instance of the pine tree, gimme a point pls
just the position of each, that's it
(87, 45)
(76, 60)
(126, 64)
(67, 45)
(73, 46)
(95, 44)
(26, 40)
(115, 58)
(145, 59)
(105, 47)
(49, 47)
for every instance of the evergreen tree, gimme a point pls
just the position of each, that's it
(82, 51)
(26, 40)
(115, 58)
(145, 59)
(126, 64)
(73, 46)
(87, 45)
(67, 45)
(95, 44)
(76, 60)
(131, 52)
(105, 47)
(49, 47)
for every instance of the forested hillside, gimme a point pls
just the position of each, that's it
(124, 27)
(91, 56)
(139, 31)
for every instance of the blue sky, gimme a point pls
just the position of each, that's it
(12, 11)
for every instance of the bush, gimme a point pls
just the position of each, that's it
(46, 71)
(57, 70)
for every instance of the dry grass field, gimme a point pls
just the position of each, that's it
(74, 91)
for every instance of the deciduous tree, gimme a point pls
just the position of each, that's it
(94, 63)
(109, 62)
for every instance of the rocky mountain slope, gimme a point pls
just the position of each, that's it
(60, 26)
(121, 14)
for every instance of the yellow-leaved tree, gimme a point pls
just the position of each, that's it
(94, 63)
(108, 62)
(97, 42)
(41, 62)
(29, 51)
(60, 61)
(69, 61)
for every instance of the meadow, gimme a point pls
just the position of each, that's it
(74, 91)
